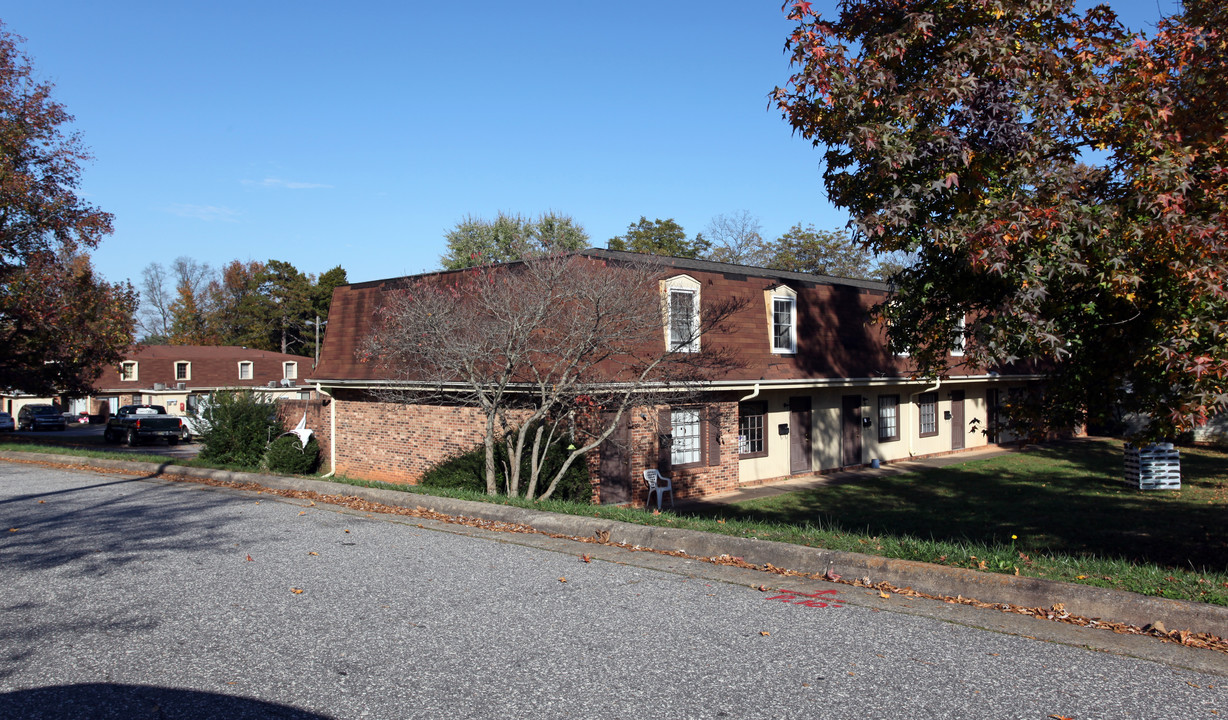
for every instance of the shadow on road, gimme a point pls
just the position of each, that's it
(104, 701)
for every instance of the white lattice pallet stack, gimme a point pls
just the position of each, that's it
(1155, 467)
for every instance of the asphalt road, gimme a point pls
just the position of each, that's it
(132, 598)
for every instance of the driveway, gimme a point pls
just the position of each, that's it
(126, 597)
(90, 436)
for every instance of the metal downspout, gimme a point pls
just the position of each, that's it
(332, 431)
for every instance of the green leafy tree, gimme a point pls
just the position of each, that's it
(660, 237)
(237, 427)
(1059, 178)
(60, 325)
(822, 252)
(475, 241)
(286, 307)
(236, 304)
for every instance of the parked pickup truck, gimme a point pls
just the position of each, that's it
(134, 424)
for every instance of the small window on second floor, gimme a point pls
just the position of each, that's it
(289, 370)
(682, 320)
(183, 371)
(784, 324)
(957, 348)
(127, 371)
(245, 370)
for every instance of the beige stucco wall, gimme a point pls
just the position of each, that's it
(826, 404)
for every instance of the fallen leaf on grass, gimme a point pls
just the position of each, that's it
(296, 591)
(313, 552)
(249, 558)
(562, 579)
(764, 633)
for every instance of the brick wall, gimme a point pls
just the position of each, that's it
(710, 478)
(291, 411)
(396, 442)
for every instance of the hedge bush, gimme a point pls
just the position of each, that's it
(287, 455)
(237, 427)
(467, 471)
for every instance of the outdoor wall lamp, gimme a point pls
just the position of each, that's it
(946, 414)
(782, 429)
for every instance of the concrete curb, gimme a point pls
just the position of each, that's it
(1092, 602)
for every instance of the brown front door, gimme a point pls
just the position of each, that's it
(850, 430)
(957, 420)
(615, 470)
(799, 435)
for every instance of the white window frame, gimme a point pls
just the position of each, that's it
(289, 370)
(789, 298)
(188, 375)
(129, 376)
(681, 284)
(251, 370)
(957, 350)
(686, 448)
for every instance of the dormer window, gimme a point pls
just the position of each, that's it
(782, 319)
(245, 370)
(957, 349)
(289, 370)
(682, 313)
(183, 371)
(128, 371)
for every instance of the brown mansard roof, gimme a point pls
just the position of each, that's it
(211, 366)
(837, 337)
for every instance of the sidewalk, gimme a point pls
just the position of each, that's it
(815, 480)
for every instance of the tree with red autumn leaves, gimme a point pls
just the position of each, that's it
(60, 325)
(1062, 180)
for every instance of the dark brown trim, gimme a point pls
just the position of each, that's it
(922, 400)
(895, 407)
(751, 409)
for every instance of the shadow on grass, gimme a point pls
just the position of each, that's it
(1066, 498)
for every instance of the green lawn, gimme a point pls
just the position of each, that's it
(1072, 515)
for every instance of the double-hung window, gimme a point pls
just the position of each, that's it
(127, 371)
(682, 325)
(686, 428)
(752, 419)
(245, 370)
(183, 371)
(957, 348)
(927, 404)
(681, 300)
(784, 324)
(289, 370)
(888, 417)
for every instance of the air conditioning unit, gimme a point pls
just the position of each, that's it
(181, 386)
(159, 386)
(273, 383)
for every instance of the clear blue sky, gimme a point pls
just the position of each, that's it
(356, 135)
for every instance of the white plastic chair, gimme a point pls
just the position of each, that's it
(659, 484)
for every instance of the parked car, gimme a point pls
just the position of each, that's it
(6, 422)
(41, 417)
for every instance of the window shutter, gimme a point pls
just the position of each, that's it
(713, 435)
(665, 427)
